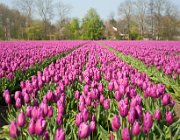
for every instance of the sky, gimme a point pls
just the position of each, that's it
(80, 7)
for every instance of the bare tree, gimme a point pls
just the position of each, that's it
(45, 10)
(171, 9)
(63, 10)
(158, 13)
(169, 21)
(140, 11)
(26, 7)
(125, 9)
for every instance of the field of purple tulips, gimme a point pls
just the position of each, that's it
(93, 90)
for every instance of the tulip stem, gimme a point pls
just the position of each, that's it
(117, 134)
(148, 136)
(107, 120)
(170, 132)
(32, 137)
(22, 133)
(9, 108)
(124, 122)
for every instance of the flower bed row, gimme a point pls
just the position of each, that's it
(173, 86)
(161, 54)
(20, 75)
(21, 55)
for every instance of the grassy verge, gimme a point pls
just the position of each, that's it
(155, 75)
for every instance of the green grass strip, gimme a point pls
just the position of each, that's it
(154, 74)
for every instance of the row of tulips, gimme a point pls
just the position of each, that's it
(161, 54)
(21, 55)
(93, 94)
(58, 52)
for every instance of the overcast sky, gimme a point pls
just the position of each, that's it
(80, 7)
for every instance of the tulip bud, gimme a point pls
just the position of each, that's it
(123, 108)
(172, 103)
(101, 98)
(131, 115)
(17, 95)
(93, 118)
(80, 78)
(60, 134)
(126, 134)
(31, 127)
(84, 130)
(92, 126)
(85, 89)
(7, 99)
(62, 98)
(169, 117)
(18, 103)
(40, 126)
(13, 130)
(59, 119)
(61, 109)
(28, 111)
(106, 104)
(115, 124)
(46, 135)
(87, 80)
(5, 93)
(111, 136)
(157, 115)
(49, 95)
(81, 106)
(44, 107)
(79, 119)
(100, 87)
(116, 86)
(44, 100)
(77, 95)
(110, 86)
(138, 109)
(50, 111)
(26, 98)
(126, 100)
(117, 96)
(40, 113)
(136, 128)
(58, 89)
(34, 113)
(85, 114)
(88, 100)
(22, 84)
(147, 122)
(35, 103)
(21, 119)
(166, 99)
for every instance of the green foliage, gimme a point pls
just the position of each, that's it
(135, 36)
(92, 26)
(35, 31)
(74, 27)
(1, 33)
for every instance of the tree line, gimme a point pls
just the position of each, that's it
(137, 19)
